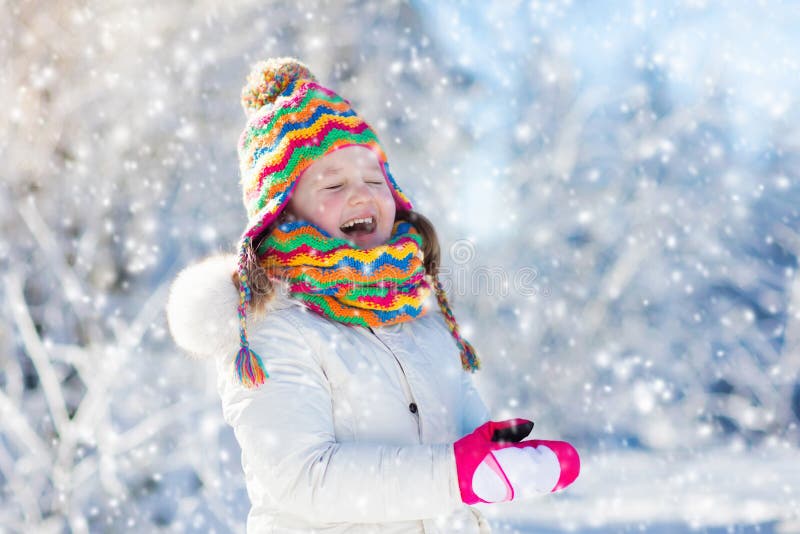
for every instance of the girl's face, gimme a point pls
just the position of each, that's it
(346, 194)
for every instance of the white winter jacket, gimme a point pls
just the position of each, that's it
(353, 429)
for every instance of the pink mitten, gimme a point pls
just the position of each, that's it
(494, 465)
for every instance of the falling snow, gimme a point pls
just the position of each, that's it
(625, 174)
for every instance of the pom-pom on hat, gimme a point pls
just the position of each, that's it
(292, 120)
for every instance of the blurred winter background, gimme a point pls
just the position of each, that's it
(616, 189)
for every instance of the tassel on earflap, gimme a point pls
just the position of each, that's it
(249, 366)
(469, 360)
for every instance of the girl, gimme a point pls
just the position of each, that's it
(348, 393)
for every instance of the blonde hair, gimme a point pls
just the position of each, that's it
(262, 290)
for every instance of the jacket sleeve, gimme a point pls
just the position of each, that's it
(474, 412)
(290, 455)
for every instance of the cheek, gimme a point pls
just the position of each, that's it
(385, 197)
(321, 210)
(388, 208)
(326, 208)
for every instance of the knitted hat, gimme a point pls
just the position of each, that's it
(292, 121)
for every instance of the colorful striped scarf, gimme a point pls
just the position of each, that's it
(374, 287)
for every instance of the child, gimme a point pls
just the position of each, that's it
(348, 394)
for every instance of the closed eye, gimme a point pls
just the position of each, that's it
(334, 186)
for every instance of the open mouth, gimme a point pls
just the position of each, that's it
(359, 226)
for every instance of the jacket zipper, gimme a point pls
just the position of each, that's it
(408, 386)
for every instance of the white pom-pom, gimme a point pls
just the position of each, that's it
(202, 308)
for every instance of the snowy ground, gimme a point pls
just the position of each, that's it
(714, 491)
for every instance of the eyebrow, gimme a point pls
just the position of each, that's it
(331, 171)
(334, 171)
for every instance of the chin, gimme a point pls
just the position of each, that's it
(365, 245)
(372, 242)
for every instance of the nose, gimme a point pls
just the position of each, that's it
(360, 192)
